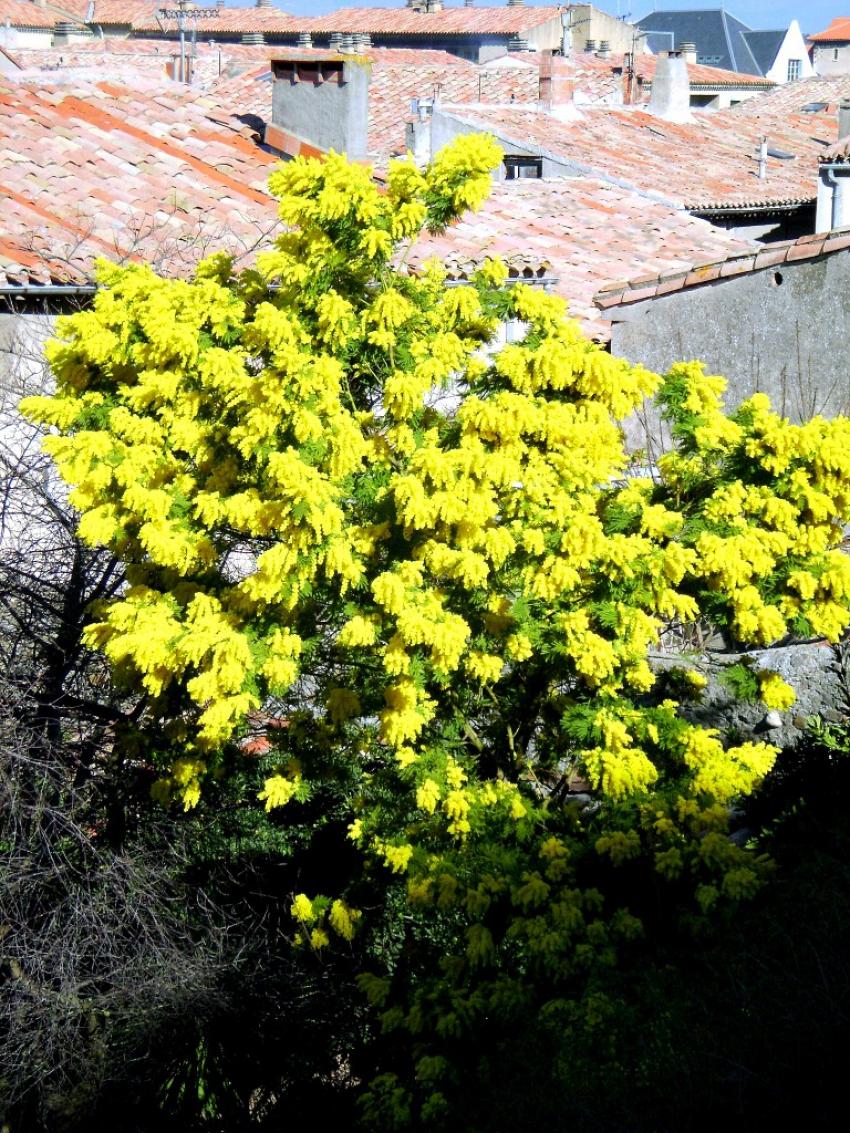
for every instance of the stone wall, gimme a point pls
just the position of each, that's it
(782, 331)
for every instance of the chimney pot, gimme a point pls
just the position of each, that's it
(305, 39)
(604, 51)
(591, 46)
(264, 4)
(253, 38)
(689, 51)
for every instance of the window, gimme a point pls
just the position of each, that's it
(521, 166)
(835, 53)
(795, 68)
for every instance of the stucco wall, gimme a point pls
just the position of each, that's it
(10, 38)
(784, 331)
(328, 114)
(825, 63)
(793, 47)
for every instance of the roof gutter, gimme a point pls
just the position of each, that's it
(47, 291)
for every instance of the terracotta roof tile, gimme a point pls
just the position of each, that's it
(707, 164)
(837, 32)
(451, 21)
(584, 248)
(397, 77)
(26, 14)
(736, 263)
(98, 169)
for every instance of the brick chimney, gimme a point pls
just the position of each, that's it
(671, 88)
(544, 81)
(319, 104)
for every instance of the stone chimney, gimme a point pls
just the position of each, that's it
(689, 50)
(671, 88)
(591, 46)
(361, 42)
(604, 51)
(335, 42)
(320, 103)
(253, 38)
(305, 39)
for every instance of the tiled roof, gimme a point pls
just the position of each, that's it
(100, 169)
(137, 59)
(707, 165)
(837, 154)
(397, 77)
(599, 82)
(837, 32)
(111, 13)
(233, 21)
(587, 233)
(451, 21)
(26, 14)
(758, 258)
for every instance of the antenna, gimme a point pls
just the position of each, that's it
(181, 14)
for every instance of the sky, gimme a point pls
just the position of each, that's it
(813, 15)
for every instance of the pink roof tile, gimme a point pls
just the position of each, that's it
(706, 164)
(451, 21)
(735, 263)
(105, 169)
(559, 226)
(27, 14)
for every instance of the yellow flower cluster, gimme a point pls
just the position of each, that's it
(330, 490)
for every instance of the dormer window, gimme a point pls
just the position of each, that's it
(795, 68)
(520, 167)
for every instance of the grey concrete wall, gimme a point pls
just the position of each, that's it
(825, 63)
(329, 114)
(784, 331)
(445, 126)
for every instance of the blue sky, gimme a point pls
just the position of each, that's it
(813, 15)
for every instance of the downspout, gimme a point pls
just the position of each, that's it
(837, 186)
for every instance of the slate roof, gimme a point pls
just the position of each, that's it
(101, 169)
(764, 47)
(585, 232)
(719, 36)
(837, 32)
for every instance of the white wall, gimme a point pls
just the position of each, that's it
(10, 38)
(793, 47)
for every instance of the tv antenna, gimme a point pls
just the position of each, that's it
(185, 11)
